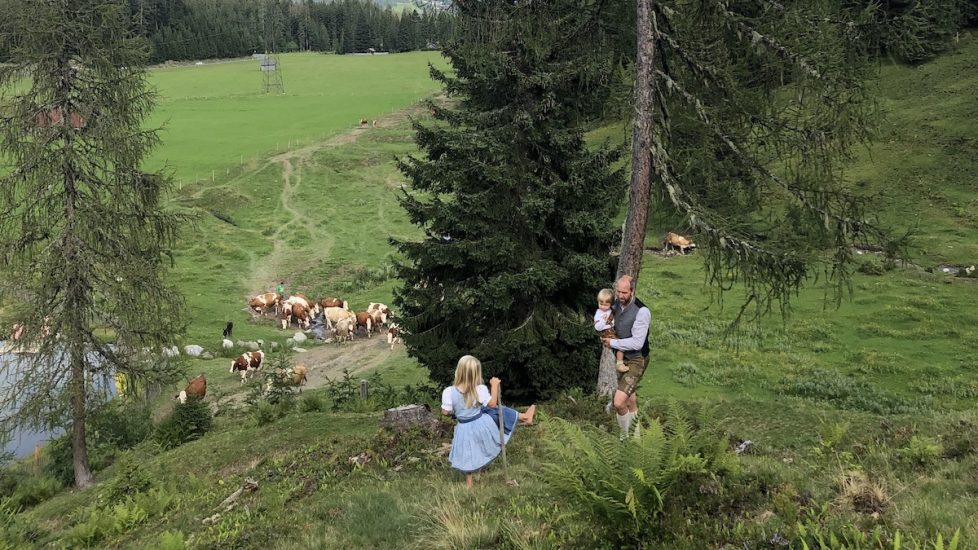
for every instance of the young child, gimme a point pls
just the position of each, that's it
(476, 440)
(604, 322)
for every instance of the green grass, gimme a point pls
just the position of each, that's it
(216, 116)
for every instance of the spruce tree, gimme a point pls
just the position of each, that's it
(517, 213)
(82, 236)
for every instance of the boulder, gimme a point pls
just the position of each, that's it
(172, 351)
(252, 346)
(299, 350)
(207, 355)
(227, 344)
(193, 350)
(299, 338)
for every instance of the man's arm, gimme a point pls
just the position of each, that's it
(640, 333)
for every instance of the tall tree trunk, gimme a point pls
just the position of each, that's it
(633, 235)
(79, 448)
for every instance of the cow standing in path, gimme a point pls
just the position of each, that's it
(247, 362)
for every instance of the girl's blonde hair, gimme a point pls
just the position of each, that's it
(606, 295)
(468, 376)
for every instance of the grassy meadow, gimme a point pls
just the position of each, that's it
(215, 116)
(861, 417)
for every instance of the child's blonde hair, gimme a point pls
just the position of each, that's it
(606, 295)
(468, 376)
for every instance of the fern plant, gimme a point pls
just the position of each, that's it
(623, 486)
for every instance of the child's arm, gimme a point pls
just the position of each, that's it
(601, 320)
(446, 402)
(493, 392)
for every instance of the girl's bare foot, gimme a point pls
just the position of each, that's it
(527, 417)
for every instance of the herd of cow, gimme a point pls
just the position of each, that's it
(332, 313)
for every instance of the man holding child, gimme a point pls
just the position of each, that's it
(631, 325)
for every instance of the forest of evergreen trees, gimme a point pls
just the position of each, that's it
(200, 29)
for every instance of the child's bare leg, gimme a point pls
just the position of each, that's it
(468, 481)
(620, 361)
(527, 417)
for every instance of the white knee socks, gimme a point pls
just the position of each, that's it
(625, 422)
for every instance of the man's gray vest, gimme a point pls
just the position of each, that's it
(623, 326)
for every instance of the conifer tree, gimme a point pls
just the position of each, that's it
(516, 211)
(83, 238)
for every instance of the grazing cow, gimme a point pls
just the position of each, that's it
(261, 303)
(394, 335)
(343, 329)
(302, 316)
(363, 122)
(298, 376)
(248, 361)
(295, 311)
(673, 241)
(196, 388)
(297, 298)
(334, 314)
(381, 309)
(364, 320)
(333, 302)
(228, 328)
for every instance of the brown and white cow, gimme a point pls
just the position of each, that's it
(331, 301)
(364, 320)
(379, 311)
(295, 311)
(263, 302)
(364, 122)
(196, 388)
(247, 362)
(673, 241)
(394, 335)
(301, 299)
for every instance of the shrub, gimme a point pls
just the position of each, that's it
(15, 531)
(265, 413)
(113, 427)
(33, 490)
(187, 422)
(311, 403)
(344, 394)
(171, 540)
(620, 487)
(871, 267)
(131, 478)
(921, 451)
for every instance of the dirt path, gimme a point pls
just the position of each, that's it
(268, 268)
(359, 356)
(328, 361)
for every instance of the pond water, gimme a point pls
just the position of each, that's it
(23, 441)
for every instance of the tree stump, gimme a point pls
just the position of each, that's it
(408, 416)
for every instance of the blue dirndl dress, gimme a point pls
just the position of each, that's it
(476, 440)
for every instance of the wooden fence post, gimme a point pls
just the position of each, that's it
(364, 390)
